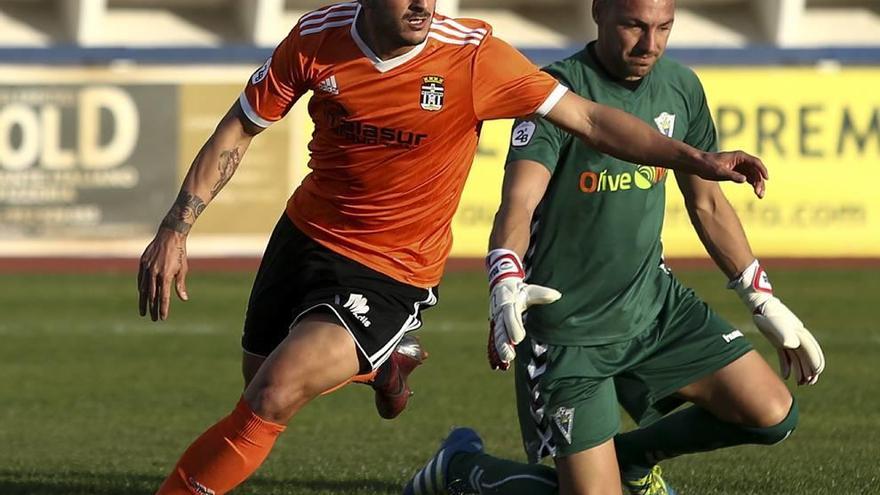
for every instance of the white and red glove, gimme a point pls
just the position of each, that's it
(797, 348)
(509, 298)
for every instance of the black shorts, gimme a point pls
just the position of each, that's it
(298, 276)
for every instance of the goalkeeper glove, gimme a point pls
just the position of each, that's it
(509, 298)
(796, 346)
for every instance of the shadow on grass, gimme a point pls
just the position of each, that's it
(82, 483)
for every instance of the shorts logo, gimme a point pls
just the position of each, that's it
(730, 337)
(564, 419)
(666, 123)
(198, 487)
(359, 307)
(433, 93)
(261, 73)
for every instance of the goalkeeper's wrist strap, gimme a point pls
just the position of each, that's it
(752, 286)
(502, 264)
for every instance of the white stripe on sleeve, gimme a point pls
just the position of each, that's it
(250, 113)
(551, 100)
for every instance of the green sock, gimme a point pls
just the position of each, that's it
(688, 431)
(487, 475)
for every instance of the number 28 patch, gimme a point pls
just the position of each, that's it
(522, 133)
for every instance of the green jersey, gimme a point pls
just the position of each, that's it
(596, 234)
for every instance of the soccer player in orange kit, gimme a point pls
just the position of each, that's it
(399, 94)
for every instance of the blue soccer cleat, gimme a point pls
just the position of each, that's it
(433, 479)
(652, 484)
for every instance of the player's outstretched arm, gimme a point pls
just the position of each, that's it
(721, 232)
(525, 182)
(164, 260)
(716, 223)
(627, 137)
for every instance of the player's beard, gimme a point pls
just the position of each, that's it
(399, 32)
(407, 36)
(639, 69)
(638, 64)
(393, 33)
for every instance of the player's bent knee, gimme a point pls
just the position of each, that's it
(777, 433)
(278, 403)
(782, 408)
(775, 409)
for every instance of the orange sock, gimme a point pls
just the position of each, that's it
(224, 456)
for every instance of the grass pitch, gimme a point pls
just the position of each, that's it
(94, 400)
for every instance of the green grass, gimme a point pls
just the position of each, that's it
(94, 400)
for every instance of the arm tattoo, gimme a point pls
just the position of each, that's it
(229, 161)
(183, 212)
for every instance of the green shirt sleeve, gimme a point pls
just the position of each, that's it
(701, 128)
(537, 140)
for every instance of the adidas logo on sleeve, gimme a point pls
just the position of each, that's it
(329, 86)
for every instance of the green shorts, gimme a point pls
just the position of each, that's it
(567, 396)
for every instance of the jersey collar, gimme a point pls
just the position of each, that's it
(378, 63)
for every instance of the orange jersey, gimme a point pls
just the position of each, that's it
(394, 139)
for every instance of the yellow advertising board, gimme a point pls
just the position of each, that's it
(91, 158)
(818, 131)
(252, 202)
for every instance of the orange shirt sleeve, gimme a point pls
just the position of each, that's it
(277, 84)
(506, 84)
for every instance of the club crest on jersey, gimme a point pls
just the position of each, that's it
(432, 93)
(666, 123)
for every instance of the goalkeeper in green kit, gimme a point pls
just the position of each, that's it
(617, 326)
